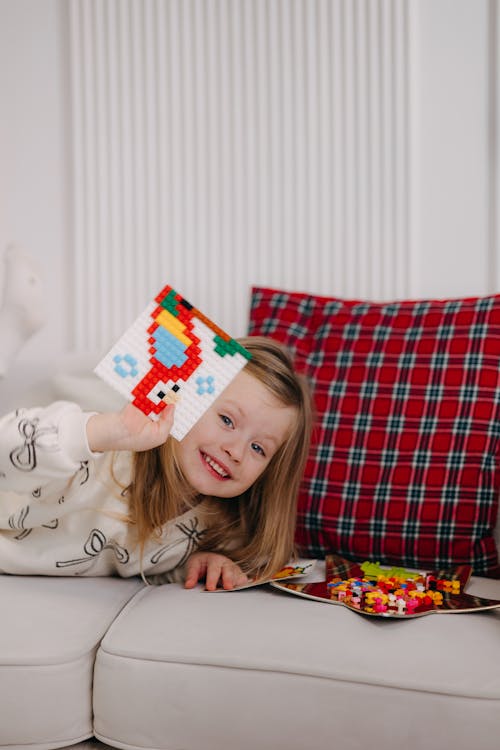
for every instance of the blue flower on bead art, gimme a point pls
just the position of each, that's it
(205, 385)
(131, 371)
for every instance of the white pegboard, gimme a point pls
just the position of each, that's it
(172, 353)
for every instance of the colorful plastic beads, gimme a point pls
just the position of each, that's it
(393, 591)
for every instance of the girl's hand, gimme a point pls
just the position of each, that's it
(214, 568)
(128, 429)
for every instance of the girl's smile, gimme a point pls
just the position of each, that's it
(233, 442)
(214, 467)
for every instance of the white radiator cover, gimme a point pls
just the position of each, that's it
(218, 144)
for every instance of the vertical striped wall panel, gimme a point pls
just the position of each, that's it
(218, 144)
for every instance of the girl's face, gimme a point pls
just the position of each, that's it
(233, 442)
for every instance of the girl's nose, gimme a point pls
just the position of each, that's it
(234, 449)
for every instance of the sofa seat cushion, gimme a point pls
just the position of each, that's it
(49, 632)
(261, 668)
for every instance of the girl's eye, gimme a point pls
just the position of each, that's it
(258, 449)
(226, 420)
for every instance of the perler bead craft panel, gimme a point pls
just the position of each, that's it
(371, 590)
(172, 353)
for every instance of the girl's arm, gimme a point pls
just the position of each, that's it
(128, 430)
(38, 445)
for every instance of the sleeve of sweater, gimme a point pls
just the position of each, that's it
(38, 445)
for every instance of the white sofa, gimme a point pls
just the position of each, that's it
(162, 668)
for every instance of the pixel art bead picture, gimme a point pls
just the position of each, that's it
(172, 353)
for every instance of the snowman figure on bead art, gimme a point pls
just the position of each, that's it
(22, 308)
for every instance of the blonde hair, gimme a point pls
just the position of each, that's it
(256, 529)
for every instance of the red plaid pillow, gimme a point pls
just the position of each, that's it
(405, 462)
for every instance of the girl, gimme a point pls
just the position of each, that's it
(113, 494)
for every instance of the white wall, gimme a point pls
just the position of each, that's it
(221, 143)
(337, 146)
(34, 200)
(455, 154)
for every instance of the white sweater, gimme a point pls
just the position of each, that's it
(61, 512)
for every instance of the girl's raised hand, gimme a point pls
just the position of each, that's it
(213, 568)
(128, 429)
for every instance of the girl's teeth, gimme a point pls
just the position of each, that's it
(215, 466)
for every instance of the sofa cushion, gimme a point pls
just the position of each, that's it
(405, 462)
(49, 632)
(261, 668)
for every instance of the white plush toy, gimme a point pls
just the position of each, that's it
(22, 308)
